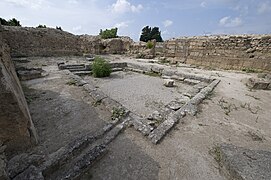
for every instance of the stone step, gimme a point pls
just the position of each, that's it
(83, 73)
(78, 69)
(70, 161)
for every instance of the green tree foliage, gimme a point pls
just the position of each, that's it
(41, 26)
(101, 68)
(109, 33)
(11, 22)
(149, 33)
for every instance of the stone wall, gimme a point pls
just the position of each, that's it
(226, 52)
(40, 42)
(16, 128)
(26, 41)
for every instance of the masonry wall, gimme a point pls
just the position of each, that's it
(226, 52)
(16, 128)
(28, 41)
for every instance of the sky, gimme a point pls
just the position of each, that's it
(175, 18)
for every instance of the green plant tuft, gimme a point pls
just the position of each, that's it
(101, 68)
(149, 45)
(251, 70)
(117, 113)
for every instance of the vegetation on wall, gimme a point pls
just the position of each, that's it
(59, 28)
(149, 33)
(100, 67)
(109, 33)
(41, 26)
(11, 22)
(149, 45)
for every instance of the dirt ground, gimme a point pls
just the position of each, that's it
(232, 114)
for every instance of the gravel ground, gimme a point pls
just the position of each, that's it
(140, 93)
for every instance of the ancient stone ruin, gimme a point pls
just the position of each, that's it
(191, 107)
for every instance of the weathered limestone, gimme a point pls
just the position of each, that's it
(226, 52)
(3, 163)
(16, 128)
(245, 164)
(259, 83)
(168, 82)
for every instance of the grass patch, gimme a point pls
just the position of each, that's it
(117, 113)
(251, 70)
(101, 68)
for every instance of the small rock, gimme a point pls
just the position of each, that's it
(174, 105)
(169, 83)
(155, 116)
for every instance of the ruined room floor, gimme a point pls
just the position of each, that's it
(141, 94)
(233, 114)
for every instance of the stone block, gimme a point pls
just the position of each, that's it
(16, 126)
(191, 81)
(258, 83)
(168, 82)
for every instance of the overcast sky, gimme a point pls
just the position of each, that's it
(174, 17)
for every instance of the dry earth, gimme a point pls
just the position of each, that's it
(232, 114)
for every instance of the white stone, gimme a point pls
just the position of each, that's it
(168, 82)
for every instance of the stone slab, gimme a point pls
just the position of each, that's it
(245, 164)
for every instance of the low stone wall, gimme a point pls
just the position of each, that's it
(226, 52)
(16, 128)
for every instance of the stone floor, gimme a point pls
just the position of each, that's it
(141, 94)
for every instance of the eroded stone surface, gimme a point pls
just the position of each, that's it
(246, 164)
(17, 129)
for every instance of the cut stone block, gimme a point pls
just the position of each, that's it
(257, 83)
(17, 129)
(191, 81)
(168, 82)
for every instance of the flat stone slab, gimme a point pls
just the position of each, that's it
(246, 164)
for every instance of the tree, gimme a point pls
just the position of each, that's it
(14, 22)
(146, 34)
(3, 22)
(59, 28)
(149, 33)
(11, 22)
(41, 26)
(109, 33)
